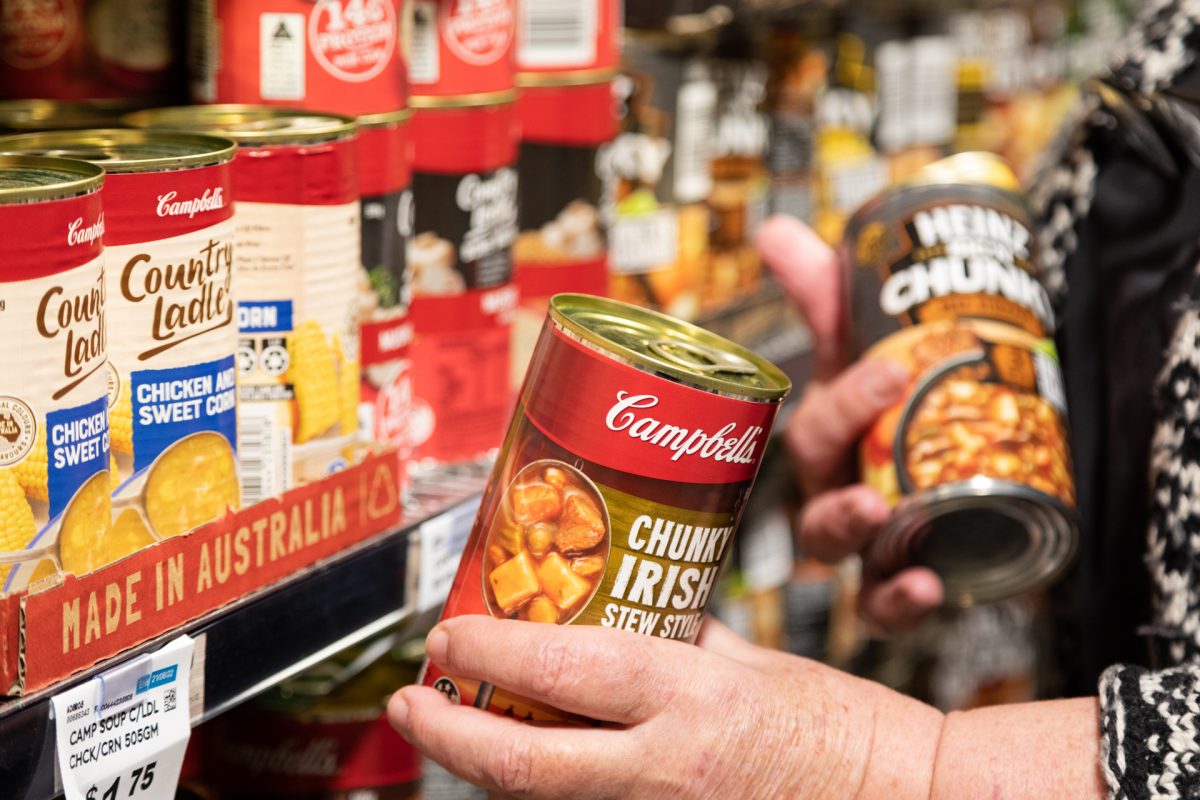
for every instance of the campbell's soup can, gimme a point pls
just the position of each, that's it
(54, 457)
(79, 49)
(577, 41)
(462, 51)
(297, 262)
(463, 295)
(562, 246)
(658, 175)
(172, 332)
(322, 735)
(740, 186)
(629, 459)
(385, 161)
(975, 458)
(333, 55)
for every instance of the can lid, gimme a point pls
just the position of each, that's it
(657, 343)
(984, 168)
(122, 150)
(248, 124)
(29, 178)
(986, 539)
(397, 117)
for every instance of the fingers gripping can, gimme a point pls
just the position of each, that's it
(54, 457)
(172, 334)
(634, 446)
(975, 457)
(297, 262)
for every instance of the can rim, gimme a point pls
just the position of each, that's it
(565, 308)
(577, 77)
(87, 178)
(208, 150)
(421, 101)
(218, 117)
(397, 117)
(1052, 528)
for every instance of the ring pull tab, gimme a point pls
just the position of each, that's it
(700, 358)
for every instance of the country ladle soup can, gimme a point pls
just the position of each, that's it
(975, 458)
(629, 459)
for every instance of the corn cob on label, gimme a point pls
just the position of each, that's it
(54, 436)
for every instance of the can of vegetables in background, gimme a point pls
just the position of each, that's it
(333, 55)
(462, 49)
(54, 457)
(975, 458)
(460, 259)
(385, 167)
(297, 261)
(168, 213)
(630, 457)
(562, 246)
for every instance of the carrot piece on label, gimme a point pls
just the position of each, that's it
(535, 502)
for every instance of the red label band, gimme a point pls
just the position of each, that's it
(570, 115)
(623, 418)
(539, 282)
(473, 309)
(54, 236)
(323, 174)
(352, 56)
(149, 206)
(385, 341)
(475, 44)
(384, 159)
(460, 140)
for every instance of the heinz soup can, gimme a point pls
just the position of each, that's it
(975, 458)
(634, 446)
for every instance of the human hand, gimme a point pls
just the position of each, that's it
(840, 517)
(727, 719)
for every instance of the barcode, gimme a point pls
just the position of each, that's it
(264, 453)
(558, 33)
(424, 65)
(695, 128)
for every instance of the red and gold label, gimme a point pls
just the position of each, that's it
(613, 503)
(463, 47)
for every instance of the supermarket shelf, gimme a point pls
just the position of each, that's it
(269, 636)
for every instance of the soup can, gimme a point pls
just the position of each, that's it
(79, 49)
(659, 174)
(563, 244)
(385, 160)
(463, 296)
(462, 51)
(54, 456)
(333, 55)
(172, 335)
(297, 261)
(559, 42)
(321, 735)
(629, 459)
(975, 457)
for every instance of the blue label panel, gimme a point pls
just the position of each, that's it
(76, 449)
(268, 316)
(169, 404)
(159, 677)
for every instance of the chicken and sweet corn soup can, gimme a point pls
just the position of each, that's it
(975, 458)
(54, 456)
(171, 327)
(297, 265)
(634, 445)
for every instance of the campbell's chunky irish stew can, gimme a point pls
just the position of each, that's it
(54, 458)
(633, 448)
(975, 458)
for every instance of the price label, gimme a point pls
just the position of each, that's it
(123, 734)
(442, 541)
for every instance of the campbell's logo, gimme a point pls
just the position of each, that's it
(77, 320)
(726, 444)
(78, 233)
(317, 757)
(211, 200)
(188, 298)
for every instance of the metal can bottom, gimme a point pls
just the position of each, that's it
(987, 539)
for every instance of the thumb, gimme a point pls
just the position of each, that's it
(810, 272)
